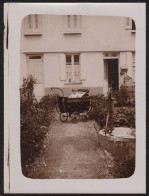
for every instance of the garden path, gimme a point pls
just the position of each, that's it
(71, 151)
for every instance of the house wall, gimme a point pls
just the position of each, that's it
(99, 34)
(93, 74)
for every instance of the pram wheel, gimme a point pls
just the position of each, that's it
(63, 117)
(75, 117)
(85, 116)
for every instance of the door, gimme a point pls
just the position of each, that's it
(113, 76)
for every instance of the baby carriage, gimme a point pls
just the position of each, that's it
(75, 106)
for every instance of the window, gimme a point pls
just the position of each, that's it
(72, 24)
(35, 67)
(110, 55)
(130, 24)
(33, 24)
(73, 68)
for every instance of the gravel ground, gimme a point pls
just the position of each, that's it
(71, 151)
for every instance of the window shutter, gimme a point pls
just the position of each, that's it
(128, 23)
(83, 65)
(36, 69)
(28, 24)
(37, 23)
(62, 67)
(129, 63)
(123, 60)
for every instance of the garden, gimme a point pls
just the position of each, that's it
(37, 116)
(124, 116)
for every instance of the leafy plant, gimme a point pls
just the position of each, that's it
(122, 116)
(124, 97)
(36, 116)
(99, 109)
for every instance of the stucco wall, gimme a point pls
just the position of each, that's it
(23, 67)
(51, 70)
(98, 33)
(93, 69)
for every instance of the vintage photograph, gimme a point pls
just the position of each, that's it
(77, 96)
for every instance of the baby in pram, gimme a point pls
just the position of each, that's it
(78, 93)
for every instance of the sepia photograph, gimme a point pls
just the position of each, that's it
(74, 98)
(77, 95)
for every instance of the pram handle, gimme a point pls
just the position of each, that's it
(52, 88)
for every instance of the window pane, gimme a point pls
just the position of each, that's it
(75, 21)
(29, 22)
(36, 21)
(68, 58)
(34, 57)
(76, 59)
(68, 21)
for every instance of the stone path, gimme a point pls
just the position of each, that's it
(71, 151)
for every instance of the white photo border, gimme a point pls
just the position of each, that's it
(13, 176)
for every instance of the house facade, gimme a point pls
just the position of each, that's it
(77, 51)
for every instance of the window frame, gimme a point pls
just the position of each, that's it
(73, 79)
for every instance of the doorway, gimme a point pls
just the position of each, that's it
(112, 73)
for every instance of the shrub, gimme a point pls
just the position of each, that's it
(35, 119)
(124, 97)
(123, 117)
(99, 109)
(28, 103)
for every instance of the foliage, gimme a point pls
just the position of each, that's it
(36, 116)
(124, 168)
(124, 97)
(28, 103)
(123, 117)
(99, 109)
